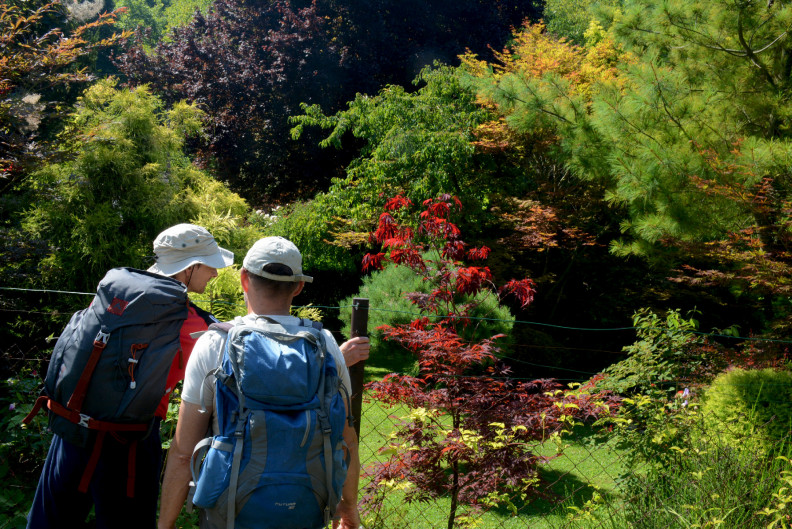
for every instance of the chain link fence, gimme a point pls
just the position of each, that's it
(665, 465)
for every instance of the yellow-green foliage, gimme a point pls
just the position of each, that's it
(122, 179)
(223, 296)
(225, 299)
(750, 409)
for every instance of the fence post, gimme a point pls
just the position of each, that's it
(359, 325)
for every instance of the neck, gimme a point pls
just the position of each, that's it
(268, 307)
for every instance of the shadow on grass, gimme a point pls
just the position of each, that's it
(557, 491)
(377, 366)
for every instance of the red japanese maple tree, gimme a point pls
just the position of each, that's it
(471, 426)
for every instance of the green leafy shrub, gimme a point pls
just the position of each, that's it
(386, 289)
(225, 298)
(751, 409)
(682, 472)
(223, 295)
(157, 17)
(648, 428)
(418, 143)
(22, 448)
(666, 352)
(309, 225)
(716, 486)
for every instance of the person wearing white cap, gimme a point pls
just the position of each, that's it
(271, 277)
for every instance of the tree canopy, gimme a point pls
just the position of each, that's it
(250, 65)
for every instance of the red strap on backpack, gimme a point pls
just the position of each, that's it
(78, 397)
(72, 413)
(91, 466)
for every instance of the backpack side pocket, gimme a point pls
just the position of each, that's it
(212, 479)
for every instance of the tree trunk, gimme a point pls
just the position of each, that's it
(454, 494)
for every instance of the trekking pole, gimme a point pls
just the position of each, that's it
(359, 324)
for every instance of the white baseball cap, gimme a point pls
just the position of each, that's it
(275, 250)
(184, 245)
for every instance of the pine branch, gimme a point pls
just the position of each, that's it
(665, 104)
(750, 53)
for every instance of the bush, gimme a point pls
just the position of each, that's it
(719, 486)
(667, 353)
(123, 178)
(309, 226)
(751, 409)
(386, 291)
(23, 448)
(683, 472)
(223, 295)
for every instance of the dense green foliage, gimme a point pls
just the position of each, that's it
(667, 353)
(311, 225)
(22, 450)
(155, 19)
(125, 181)
(572, 18)
(223, 296)
(417, 144)
(750, 409)
(717, 486)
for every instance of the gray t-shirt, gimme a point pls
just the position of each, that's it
(207, 351)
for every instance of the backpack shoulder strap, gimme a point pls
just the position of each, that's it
(305, 322)
(205, 315)
(223, 328)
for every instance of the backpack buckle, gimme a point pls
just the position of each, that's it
(84, 420)
(102, 337)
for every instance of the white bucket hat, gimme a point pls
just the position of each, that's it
(275, 250)
(184, 245)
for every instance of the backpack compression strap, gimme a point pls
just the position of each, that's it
(72, 412)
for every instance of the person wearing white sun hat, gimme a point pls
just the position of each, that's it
(189, 254)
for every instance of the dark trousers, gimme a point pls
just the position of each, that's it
(58, 503)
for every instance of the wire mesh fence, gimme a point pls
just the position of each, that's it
(659, 462)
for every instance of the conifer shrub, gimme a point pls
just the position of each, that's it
(750, 409)
(385, 289)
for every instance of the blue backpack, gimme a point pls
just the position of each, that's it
(277, 460)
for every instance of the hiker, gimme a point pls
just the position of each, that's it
(122, 484)
(271, 277)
